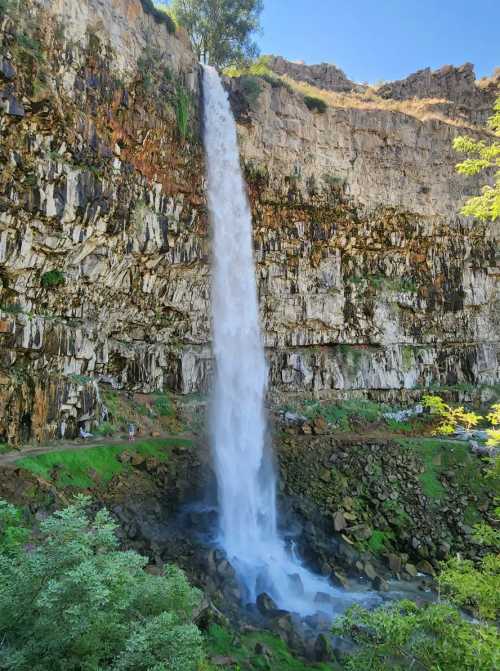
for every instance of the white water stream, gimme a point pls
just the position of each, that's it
(245, 476)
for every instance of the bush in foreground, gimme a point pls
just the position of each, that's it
(71, 600)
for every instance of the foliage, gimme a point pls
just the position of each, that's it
(12, 531)
(164, 406)
(477, 588)
(74, 468)
(432, 638)
(220, 30)
(439, 455)
(450, 417)
(482, 156)
(315, 104)
(160, 14)
(53, 278)
(73, 601)
(182, 111)
(379, 541)
(222, 642)
(251, 89)
(343, 412)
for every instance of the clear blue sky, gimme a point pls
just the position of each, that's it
(384, 39)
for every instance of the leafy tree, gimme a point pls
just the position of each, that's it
(220, 30)
(433, 638)
(450, 417)
(474, 588)
(482, 156)
(72, 601)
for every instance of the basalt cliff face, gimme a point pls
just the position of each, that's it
(369, 281)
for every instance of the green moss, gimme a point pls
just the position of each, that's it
(51, 279)
(75, 466)
(380, 541)
(224, 643)
(315, 104)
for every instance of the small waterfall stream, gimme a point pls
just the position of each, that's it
(245, 476)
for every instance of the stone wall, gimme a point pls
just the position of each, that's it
(369, 282)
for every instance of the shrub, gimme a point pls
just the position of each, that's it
(54, 278)
(315, 104)
(251, 89)
(476, 588)
(182, 103)
(74, 601)
(160, 14)
(402, 636)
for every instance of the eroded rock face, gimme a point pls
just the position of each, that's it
(457, 85)
(324, 75)
(102, 228)
(368, 280)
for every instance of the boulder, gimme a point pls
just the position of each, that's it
(425, 567)
(323, 649)
(339, 521)
(266, 604)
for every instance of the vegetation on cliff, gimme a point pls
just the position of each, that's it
(482, 156)
(220, 30)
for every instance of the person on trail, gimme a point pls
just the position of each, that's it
(131, 432)
(85, 434)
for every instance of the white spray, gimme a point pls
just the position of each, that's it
(245, 477)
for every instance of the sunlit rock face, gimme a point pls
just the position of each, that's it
(368, 280)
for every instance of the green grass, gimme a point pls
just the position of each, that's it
(75, 466)
(164, 406)
(54, 278)
(440, 455)
(222, 642)
(380, 541)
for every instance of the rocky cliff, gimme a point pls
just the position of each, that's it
(369, 281)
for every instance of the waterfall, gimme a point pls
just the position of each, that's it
(245, 476)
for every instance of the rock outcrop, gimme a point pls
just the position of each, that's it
(458, 86)
(324, 75)
(368, 279)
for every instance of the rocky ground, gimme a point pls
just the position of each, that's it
(373, 508)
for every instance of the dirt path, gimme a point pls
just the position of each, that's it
(10, 458)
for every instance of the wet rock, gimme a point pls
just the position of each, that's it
(323, 649)
(369, 571)
(425, 567)
(411, 570)
(319, 620)
(323, 597)
(339, 521)
(137, 459)
(296, 583)
(340, 580)
(225, 570)
(265, 604)
(394, 562)
(380, 584)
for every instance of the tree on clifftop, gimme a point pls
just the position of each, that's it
(482, 156)
(220, 30)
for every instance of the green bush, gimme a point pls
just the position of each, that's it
(315, 104)
(75, 601)
(182, 105)
(54, 278)
(402, 636)
(251, 89)
(160, 14)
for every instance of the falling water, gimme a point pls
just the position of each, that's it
(245, 477)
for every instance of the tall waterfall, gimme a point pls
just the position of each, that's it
(245, 476)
